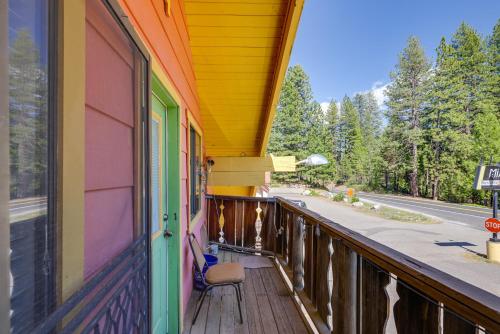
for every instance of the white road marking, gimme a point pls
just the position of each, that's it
(454, 212)
(406, 202)
(430, 202)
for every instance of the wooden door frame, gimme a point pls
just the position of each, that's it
(173, 201)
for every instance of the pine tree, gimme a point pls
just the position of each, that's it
(370, 121)
(493, 58)
(461, 119)
(441, 121)
(319, 141)
(407, 97)
(352, 151)
(291, 123)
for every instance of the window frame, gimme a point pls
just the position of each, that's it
(53, 34)
(195, 219)
(4, 156)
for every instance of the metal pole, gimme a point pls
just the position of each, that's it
(495, 211)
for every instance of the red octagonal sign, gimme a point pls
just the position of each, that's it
(492, 224)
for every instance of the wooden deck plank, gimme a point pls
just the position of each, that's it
(214, 311)
(266, 313)
(252, 308)
(257, 283)
(241, 328)
(267, 306)
(228, 316)
(289, 307)
(191, 307)
(199, 326)
(282, 321)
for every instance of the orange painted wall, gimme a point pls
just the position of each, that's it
(167, 39)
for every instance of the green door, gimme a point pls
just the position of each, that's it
(165, 225)
(159, 217)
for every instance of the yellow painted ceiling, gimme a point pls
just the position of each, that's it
(240, 53)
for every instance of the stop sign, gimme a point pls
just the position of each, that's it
(492, 225)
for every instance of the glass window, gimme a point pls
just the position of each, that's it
(32, 237)
(195, 171)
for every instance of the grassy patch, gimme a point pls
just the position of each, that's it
(314, 192)
(395, 214)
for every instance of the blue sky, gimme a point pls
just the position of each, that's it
(348, 46)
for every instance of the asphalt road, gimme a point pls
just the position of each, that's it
(454, 213)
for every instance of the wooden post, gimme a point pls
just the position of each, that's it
(344, 297)
(298, 253)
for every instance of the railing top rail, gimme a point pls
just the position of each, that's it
(469, 300)
(241, 198)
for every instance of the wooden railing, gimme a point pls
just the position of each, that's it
(349, 283)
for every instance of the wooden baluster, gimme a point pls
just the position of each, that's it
(324, 255)
(243, 225)
(414, 312)
(221, 222)
(344, 297)
(392, 295)
(258, 228)
(287, 239)
(374, 300)
(235, 222)
(308, 260)
(329, 317)
(298, 253)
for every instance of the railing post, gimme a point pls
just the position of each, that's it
(344, 299)
(298, 253)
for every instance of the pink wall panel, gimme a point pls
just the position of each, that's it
(167, 39)
(108, 226)
(184, 172)
(109, 121)
(109, 85)
(108, 152)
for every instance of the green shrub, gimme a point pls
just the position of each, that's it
(339, 197)
(314, 193)
(354, 199)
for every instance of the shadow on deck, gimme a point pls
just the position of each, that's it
(267, 306)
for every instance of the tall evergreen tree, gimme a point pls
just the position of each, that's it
(407, 97)
(291, 123)
(461, 120)
(442, 121)
(352, 151)
(319, 141)
(332, 120)
(371, 123)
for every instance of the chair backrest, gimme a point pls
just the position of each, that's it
(199, 258)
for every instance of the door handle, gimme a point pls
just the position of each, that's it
(165, 217)
(167, 234)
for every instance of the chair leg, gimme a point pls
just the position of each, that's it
(239, 292)
(236, 287)
(200, 302)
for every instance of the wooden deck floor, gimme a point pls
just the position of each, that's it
(267, 306)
